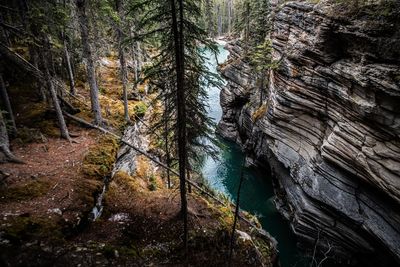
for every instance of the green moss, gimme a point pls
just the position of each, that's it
(124, 180)
(263, 246)
(37, 120)
(97, 165)
(130, 251)
(99, 161)
(49, 128)
(24, 192)
(87, 189)
(27, 228)
(153, 183)
(109, 251)
(140, 109)
(226, 217)
(28, 135)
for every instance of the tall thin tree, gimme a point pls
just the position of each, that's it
(122, 60)
(90, 67)
(50, 85)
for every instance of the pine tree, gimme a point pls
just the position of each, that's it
(122, 60)
(179, 74)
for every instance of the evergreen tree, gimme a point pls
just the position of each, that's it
(180, 76)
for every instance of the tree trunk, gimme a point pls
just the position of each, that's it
(208, 8)
(134, 52)
(247, 30)
(7, 104)
(262, 88)
(166, 131)
(122, 62)
(138, 57)
(35, 62)
(4, 33)
(219, 20)
(188, 178)
(5, 144)
(229, 17)
(181, 103)
(69, 69)
(232, 242)
(50, 85)
(90, 68)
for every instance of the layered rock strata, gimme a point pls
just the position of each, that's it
(328, 125)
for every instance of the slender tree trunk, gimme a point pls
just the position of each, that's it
(181, 103)
(69, 69)
(182, 143)
(63, 126)
(139, 56)
(236, 217)
(35, 62)
(229, 17)
(23, 10)
(121, 52)
(262, 88)
(90, 68)
(188, 178)
(209, 12)
(4, 33)
(247, 30)
(134, 53)
(219, 20)
(7, 104)
(166, 131)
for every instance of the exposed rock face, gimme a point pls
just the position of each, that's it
(330, 130)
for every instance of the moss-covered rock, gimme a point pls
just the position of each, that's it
(98, 162)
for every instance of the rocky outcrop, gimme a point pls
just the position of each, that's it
(328, 126)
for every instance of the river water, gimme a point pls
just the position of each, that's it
(257, 193)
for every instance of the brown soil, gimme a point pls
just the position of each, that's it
(56, 163)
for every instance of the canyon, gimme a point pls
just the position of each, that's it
(327, 126)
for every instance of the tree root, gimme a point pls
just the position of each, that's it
(9, 157)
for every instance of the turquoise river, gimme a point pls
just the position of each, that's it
(257, 192)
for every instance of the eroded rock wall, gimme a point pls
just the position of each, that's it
(329, 126)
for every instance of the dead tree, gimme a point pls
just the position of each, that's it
(69, 68)
(50, 85)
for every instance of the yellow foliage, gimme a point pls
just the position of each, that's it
(259, 112)
(143, 167)
(124, 180)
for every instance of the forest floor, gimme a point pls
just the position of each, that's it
(45, 204)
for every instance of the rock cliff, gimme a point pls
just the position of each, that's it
(328, 126)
